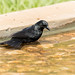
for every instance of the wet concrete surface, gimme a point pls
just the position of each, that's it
(50, 55)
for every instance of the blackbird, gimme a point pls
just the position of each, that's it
(27, 35)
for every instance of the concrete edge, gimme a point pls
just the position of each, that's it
(54, 22)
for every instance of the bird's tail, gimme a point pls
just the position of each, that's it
(16, 43)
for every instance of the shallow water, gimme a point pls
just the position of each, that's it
(50, 55)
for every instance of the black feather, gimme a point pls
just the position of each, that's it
(29, 34)
(14, 42)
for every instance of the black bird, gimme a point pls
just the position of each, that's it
(27, 35)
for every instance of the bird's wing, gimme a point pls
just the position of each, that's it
(25, 33)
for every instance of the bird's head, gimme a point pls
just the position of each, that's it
(43, 24)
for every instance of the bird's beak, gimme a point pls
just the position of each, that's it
(48, 28)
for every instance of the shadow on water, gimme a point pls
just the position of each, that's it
(50, 55)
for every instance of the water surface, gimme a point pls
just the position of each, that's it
(50, 55)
